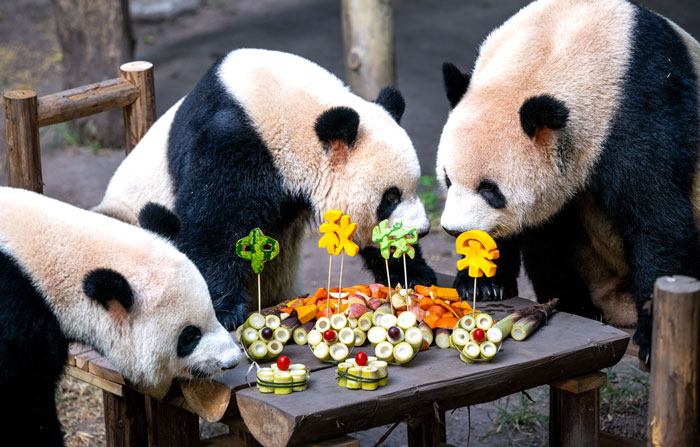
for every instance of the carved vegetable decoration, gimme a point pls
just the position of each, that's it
(400, 239)
(337, 234)
(258, 249)
(479, 250)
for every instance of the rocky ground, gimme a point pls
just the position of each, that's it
(427, 33)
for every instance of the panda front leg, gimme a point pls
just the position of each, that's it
(503, 285)
(418, 271)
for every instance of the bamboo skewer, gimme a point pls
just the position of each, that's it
(340, 282)
(328, 291)
(259, 297)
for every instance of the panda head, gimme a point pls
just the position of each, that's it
(159, 323)
(373, 170)
(500, 162)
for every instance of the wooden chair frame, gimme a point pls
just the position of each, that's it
(133, 91)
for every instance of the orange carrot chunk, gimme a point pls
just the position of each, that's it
(306, 313)
(423, 290)
(437, 309)
(426, 303)
(431, 320)
(446, 293)
(447, 322)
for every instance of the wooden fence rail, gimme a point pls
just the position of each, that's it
(134, 92)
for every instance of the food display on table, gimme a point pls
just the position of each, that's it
(363, 372)
(263, 337)
(282, 377)
(476, 338)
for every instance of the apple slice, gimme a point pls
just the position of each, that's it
(398, 301)
(339, 295)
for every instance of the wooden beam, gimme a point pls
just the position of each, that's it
(171, 426)
(125, 419)
(368, 40)
(427, 431)
(110, 387)
(674, 395)
(140, 115)
(583, 383)
(574, 419)
(85, 101)
(22, 137)
(611, 440)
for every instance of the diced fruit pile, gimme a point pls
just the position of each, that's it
(282, 377)
(476, 338)
(263, 336)
(363, 372)
(331, 338)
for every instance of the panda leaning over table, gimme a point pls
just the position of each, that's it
(70, 275)
(271, 140)
(575, 139)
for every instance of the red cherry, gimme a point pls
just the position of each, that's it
(283, 363)
(478, 335)
(361, 358)
(329, 335)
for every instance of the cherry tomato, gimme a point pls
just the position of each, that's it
(283, 363)
(478, 335)
(361, 358)
(329, 335)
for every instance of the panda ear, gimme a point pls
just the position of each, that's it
(103, 285)
(338, 124)
(392, 100)
(543, 111)
(456, 83)
(160, 220)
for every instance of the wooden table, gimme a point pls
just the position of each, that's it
(568, 347)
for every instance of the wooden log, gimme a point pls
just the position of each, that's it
(241, 434)
(674, 397)
(171, 426)
(140, 115)
(574, 419)
(208, 399)
(105, 385)
(22, 137)
(612, 440)
(427, 431)
(368, 41)
(86, 100)
(125, 419)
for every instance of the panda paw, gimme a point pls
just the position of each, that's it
(487, 289)
(420, 273)
(232, 318)
(642, 337)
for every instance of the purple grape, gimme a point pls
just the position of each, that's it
(266, 333)
(394, 332)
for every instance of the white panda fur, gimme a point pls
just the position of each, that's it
(276, 99)
(57, 246)
(593, 175)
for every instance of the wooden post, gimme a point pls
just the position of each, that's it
(574, 419)
(368, 40)
(141, 114)
(171, 426)
(427, 431)
(674, 398)
(125, 419)
(22, 136)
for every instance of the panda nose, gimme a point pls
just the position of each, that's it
(452, 233)
(424, 233)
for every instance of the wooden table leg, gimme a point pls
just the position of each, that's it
(171, 426)
(241, 434)
(125, 418)
(574, 411)
(426, 431)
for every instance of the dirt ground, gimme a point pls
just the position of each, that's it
(428, 32)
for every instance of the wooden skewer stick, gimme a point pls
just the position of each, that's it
(388, 283)
(405, 277)
(259, 299)
(474, 306)
(340, 283)
(328, 293)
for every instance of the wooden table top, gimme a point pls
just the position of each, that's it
(568, 346)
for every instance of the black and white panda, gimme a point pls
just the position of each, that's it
(68, 274)
(271, 140)
(576, 138)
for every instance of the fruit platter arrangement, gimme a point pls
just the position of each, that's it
(396, 322)
(282, 377)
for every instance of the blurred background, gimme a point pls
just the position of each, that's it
(52, 45)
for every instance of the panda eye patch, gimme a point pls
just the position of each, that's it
(489, 191)
(188, 340)
(390, 200)
(448, 182)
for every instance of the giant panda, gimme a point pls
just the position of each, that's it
(68, 274)
(271, 140)
(575, 139)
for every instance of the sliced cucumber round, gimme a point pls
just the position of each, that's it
(281, 334)
(484, 321)
(256, 320)
(272, 321)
